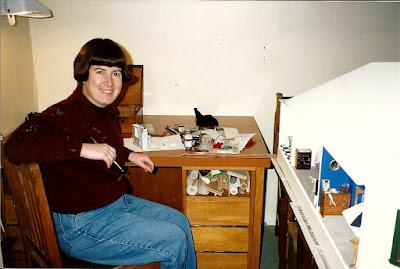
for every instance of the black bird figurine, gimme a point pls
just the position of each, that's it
(205, 120)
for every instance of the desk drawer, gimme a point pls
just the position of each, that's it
(206, 210)
(228, 239)
(221, 260)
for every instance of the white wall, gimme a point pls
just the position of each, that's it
(18, 96)
(226, 58)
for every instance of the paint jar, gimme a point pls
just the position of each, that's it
(188, 141)
(181, 129)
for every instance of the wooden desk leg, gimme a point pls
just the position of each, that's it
(282, 239)
(258, 190)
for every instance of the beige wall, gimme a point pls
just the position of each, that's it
(18, 96)
(224, 57)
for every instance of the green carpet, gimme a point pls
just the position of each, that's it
(269, 249)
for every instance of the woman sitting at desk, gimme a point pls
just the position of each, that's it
(78, 144)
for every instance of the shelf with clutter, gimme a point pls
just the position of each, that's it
(223, 183)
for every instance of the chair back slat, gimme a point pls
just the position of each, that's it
(34, 215)
(32, 196)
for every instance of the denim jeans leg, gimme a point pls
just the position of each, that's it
(161, 212)
(128, 231)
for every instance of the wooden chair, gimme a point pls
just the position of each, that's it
(34, 217)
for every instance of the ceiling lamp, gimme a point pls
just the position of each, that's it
(25, 8)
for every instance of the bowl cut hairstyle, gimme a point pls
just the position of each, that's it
(100, 52)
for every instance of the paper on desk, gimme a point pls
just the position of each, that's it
(232, 133)
(235, 141)
(245, 139)
(172, 142)
(212, 133)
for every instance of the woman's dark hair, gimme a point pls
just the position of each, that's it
(99, 52)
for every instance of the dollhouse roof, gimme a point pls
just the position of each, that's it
(356, 117)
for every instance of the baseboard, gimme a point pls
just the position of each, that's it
(270, 221)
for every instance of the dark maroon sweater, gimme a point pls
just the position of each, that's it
(54, 138)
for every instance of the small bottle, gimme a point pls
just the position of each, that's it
(188, 141)
(181, 129)
(145, 140)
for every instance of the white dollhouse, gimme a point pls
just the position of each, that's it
(356, 118)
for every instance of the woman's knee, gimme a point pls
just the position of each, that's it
(178, 234)
(182, 221)
(175, 244)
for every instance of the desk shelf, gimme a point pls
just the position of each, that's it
(227, 183)
(221, 224)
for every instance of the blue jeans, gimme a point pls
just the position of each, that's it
(129, 231)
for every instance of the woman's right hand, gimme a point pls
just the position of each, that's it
(102, 152)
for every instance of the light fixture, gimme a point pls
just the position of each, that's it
(25, 8)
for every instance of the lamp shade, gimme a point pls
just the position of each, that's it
(25, 8)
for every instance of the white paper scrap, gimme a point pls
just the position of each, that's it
(172, 142)
(212, 133)
(245, 139)
(231, 132)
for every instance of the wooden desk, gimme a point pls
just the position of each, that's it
(226, 230)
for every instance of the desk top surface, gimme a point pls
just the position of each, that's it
(254, 155)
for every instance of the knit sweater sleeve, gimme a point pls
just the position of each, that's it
(43, 139)
(126, 154)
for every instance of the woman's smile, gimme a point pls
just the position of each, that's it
(103, 85)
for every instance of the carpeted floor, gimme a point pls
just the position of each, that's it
(269, 249)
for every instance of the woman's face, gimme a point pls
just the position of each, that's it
(103, 85)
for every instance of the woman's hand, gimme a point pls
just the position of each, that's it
(99, 152)
(142, 160)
